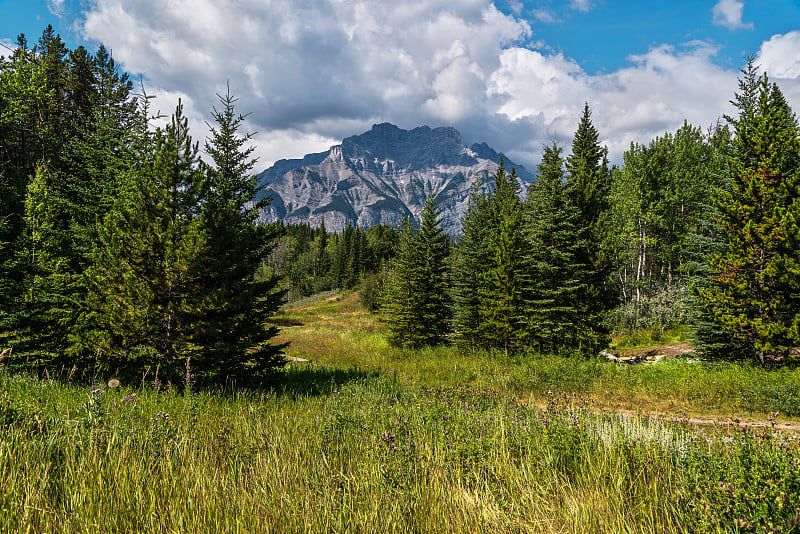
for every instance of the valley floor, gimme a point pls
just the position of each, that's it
(366, 438)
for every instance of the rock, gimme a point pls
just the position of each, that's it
(608, 356)
(381, 177)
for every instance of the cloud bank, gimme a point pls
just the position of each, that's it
(314, 71)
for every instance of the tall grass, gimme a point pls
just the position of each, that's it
(339, 333)
(367, 453)
(367, 438)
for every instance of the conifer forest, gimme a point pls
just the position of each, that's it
(152, 328)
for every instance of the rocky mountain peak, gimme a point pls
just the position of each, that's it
(380, 177)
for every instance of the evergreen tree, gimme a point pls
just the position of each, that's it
(147, 291)
(588, 184)
(472, 260)
(757, 277)
(433, 293)
(322, 260)
(588, 177)
(416, 305)
(39, 336)
(709, 337)
(502, 314)
(556, 279)
(233, 330)
(401, 302)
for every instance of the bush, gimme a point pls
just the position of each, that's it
(370, 292)
(663, 310)
(783, 398)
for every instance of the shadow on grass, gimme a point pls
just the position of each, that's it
(308, 380)
(286, 321)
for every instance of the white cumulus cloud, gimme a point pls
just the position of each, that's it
(304, 65)
(728, 13)
(779, 57)
(311, 72)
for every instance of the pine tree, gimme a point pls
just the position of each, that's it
(433, 292)
(234, 331)
(147, 291)
(39, 337)
(587, 174)
(416, 305)
(501, 311)
(588, 184)
(556, 280)
(400, 302)
(757, 277)
(472, 260)
(322, 260)
(708, 337)
(26, 141)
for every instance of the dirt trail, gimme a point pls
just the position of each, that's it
(700, 421)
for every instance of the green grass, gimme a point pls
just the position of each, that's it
(350, 451)
(367, 438)
(338, 333)
(649, 336)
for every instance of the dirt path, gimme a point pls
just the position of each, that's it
(700, 421)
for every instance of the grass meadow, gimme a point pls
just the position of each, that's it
(367, 438)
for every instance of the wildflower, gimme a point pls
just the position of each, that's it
(113, 383)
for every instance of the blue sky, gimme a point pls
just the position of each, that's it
(601, 37)
(512, 73)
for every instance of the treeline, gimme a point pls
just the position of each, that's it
(310, 260)
(526, 274)
(697, 229)
(121, 252)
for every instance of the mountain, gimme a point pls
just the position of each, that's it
(380, 177)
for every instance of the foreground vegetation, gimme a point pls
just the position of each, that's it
(375, 439)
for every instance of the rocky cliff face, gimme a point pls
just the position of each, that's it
(380, 177)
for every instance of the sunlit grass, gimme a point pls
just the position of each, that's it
(338, 333)
(369, 438)
(352, 451)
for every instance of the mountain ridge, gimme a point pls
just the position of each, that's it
(380, 177)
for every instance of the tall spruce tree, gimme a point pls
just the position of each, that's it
(756, 289)
(26, 143)
(556, 281)
(588, 184)
(472, 261)
(233, 324)
(401, 300)
(146, 282)
(709, 337)
(39, 338)
(502, 313)
(434, 285)
(416, 304)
